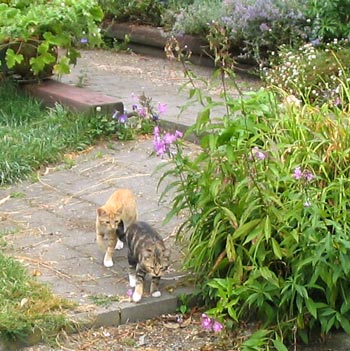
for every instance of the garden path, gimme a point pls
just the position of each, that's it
(121, 74)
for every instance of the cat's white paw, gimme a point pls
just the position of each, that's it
(119, 245)
(107, 263)
(156, 294)
(136, 297)
(132, 280)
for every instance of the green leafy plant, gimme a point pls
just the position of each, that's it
(135, 11)
(31, 33)
(330, 19)
(265, 200)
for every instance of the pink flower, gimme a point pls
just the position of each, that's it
(162, 108)
(297, 173)
(206, 322)
(306, 175)
(217, 327)
(257, 153)
(211, 324)
(178, 134)
(163, 143)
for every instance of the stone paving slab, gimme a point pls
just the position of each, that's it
(51, 92)
(51, 229)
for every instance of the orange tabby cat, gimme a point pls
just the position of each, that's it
(113, 219)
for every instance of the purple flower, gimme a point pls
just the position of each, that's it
(257, 153)
(178, 134)
(155, 117)
(210, 324)
(297, 173)
(217, 327)
(169, 138)
(264, 27)
(162, 108)
(162, 144)
(84, 40)
(123, 118)
(306, 175)
(159, 147)
(134, 107)
(130, 292)
(316, 42)
(337, 101)
(206, 322)
(142, 112)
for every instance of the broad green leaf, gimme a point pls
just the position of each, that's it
(231, 216)
(12, 58)
(39, 63)
(276, 248)
(269, 275)
(267, 228)
(245, 229)
(311, 307)
(345, 324)
(62, 67)
(278, 344)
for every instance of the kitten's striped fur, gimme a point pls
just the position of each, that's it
(147, 254)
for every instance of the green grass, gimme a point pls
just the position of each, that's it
(32, 137)
(26, 306)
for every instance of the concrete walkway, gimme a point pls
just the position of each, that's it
(51, 229)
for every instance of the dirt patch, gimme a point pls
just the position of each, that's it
(166, 333)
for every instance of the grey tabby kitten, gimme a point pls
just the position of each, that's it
(147, 254)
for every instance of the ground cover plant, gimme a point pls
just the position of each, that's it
(27, 307)
(265, 202)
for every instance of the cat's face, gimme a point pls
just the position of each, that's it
(155, 261)
(108, 220)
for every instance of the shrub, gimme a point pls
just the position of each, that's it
(31, 31)
(266, 199)
(330, 19)
(194, 19)
(135, 11)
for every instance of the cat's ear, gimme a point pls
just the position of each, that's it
(100, 211)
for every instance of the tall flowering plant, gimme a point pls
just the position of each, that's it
(266, 199)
